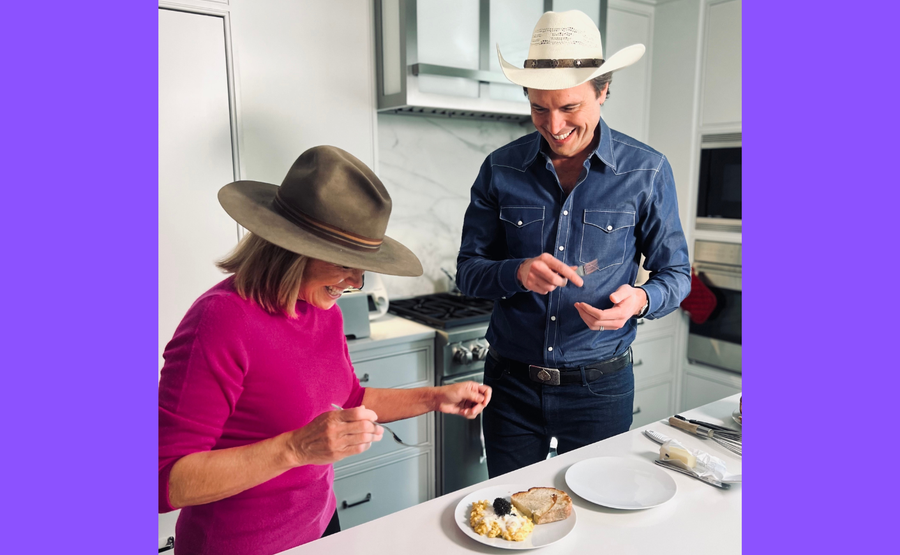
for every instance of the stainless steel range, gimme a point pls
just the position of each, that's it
(460, 350)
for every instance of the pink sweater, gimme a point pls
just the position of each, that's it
(233, 375)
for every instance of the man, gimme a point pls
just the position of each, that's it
(574, 194)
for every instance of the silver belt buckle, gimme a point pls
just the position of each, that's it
(548, 376)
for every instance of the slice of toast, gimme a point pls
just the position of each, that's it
(543, 505)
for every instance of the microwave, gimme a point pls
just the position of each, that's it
(719, 191)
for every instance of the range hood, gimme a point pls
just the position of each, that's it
(409, 84)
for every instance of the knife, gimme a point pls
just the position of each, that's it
(705, 479)
(708, 425)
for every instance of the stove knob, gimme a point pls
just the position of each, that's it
(462, 355)
(479, 351)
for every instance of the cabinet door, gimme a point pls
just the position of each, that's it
(722, 64)
(195, 161)
(700, 390)
(384, 490)
(652, 404)
(652, 359)
(629, 102)
(387, 369)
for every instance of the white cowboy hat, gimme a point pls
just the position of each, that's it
(565, 52)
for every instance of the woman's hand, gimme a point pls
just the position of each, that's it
(465, 399)
(334, 435)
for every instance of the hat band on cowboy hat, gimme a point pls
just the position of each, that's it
(330, 206)
(565, 52)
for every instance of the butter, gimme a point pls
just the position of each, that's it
(677, 454)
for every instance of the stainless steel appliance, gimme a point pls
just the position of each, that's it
(719, 193)
(460, 350)
(355, 310)
(717, 341)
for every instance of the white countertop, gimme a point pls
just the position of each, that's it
(700, 519)
(389, 330)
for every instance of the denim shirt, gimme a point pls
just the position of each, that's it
(623, 205)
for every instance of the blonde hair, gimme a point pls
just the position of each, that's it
(266, 273)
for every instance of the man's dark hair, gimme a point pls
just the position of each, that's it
(598, 82)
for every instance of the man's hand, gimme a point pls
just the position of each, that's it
(628, 301)
(465, 399)
(545, 273)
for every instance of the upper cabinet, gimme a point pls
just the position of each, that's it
(721, 88)
(628, 107)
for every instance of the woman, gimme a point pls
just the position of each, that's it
(247, 433)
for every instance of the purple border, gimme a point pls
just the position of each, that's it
(79, 276)
(820, 231)
(79, 152)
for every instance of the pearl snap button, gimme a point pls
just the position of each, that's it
(565, 212)
(608, 228)
(520, 222)
(562, 248)
(549, 348)
(553, 318)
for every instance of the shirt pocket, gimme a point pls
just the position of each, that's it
(605, 237)
(524, 227)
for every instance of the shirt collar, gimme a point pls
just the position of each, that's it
(604, 150)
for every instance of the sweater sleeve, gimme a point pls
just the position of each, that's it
(200, 382)
(356, 391)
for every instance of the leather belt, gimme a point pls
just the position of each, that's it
(562, 376)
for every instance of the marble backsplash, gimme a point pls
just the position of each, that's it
(428, 166)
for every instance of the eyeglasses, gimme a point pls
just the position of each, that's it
(362, 279)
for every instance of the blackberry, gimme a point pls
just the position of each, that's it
(502, 506)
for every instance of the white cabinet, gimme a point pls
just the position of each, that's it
(721, 89)
(654, 370)
(195, 161)
(389, 477)
(628, 108)
(704, 384)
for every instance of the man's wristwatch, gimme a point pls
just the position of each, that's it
(643, 311)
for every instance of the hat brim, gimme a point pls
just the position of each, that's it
(552, 79)
(249, 203)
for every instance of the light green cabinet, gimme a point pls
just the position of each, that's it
(389, 477)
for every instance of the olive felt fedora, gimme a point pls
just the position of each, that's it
(565, 52)
(330, 206)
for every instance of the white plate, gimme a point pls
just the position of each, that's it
(544, 534)
(621, 483)
(736, 416)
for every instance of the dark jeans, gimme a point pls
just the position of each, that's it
(523, 415)
(334, 526)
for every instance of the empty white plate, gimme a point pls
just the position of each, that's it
(621, 483)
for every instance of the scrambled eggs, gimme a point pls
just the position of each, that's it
(512, 527)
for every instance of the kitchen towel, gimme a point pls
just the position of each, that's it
(700, 302)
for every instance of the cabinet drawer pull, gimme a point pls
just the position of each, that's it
(345, 505)
(638, 363)
(364, 378)
(636, 411)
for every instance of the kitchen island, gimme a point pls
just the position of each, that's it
(700, 519)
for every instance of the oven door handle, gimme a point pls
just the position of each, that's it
(721, 279)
